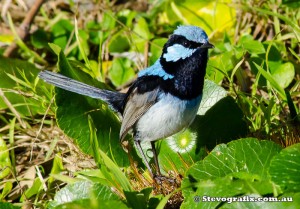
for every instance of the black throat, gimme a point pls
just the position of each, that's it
(188, 74)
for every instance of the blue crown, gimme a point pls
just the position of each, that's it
(192, 33)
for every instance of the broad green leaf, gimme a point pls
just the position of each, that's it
(73, 110)
(138, 200)
(72, 192)
(222, 123)
(121, 71)
(253, 47)
(272, 81)
(142, 29)
(61, 32)
(156, 49)
(5, 163)
(84, 195)
(240, 167)
(108, 22)
(93, 28)
(6, 205)
(141, 35)
(118, 43)
(247, 155)
(212, 93)
(39, 39)
(222, 62)
(84, 204)
(291, 3)
(285, 168)
(284, 74)
(274, 56)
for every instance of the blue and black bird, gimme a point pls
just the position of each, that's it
(165, 97)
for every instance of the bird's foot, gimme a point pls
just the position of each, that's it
(160, 179)
(166, 184)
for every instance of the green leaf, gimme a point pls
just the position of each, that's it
(285, 168)
(253, 46)
(39, 39)
(108, 22)
(223, 62)
(138, 200)
(221, 15)
(5, 163)
(119, 42)
(156, 48)
(142, 29)
(240, 167)
(121, 71)
(33, 190)
(291, 3)
(272, 81)
(6, 205)
(57, 167)
(84, 195)
(284, 74)
(141, 35)
(61, 31)
(212, 93)
(244, 155)
(6, 190)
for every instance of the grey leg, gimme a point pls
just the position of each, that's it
(155, 158)
(138, 145)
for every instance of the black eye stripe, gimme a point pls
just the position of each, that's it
(178, 39)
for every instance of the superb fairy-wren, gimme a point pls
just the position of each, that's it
(165, 97)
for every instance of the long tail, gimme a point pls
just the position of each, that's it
(114, 99)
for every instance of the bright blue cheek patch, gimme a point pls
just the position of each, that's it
(177, 52)
(157, 70)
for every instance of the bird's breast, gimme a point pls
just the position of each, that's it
(166, 117)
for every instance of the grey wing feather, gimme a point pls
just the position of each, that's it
(114, 99)
(136, 106)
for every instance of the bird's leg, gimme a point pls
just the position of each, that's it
(159, 178)
(138, 145)
(155, 158)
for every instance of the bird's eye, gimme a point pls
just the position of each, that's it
(185, 43)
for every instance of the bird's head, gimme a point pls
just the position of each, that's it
(188, 44)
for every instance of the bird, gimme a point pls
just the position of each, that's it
(164, 98)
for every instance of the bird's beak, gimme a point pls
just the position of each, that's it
(207, 45)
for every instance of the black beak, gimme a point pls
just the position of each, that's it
(207, 45)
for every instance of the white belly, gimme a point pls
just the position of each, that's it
(167, 117)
